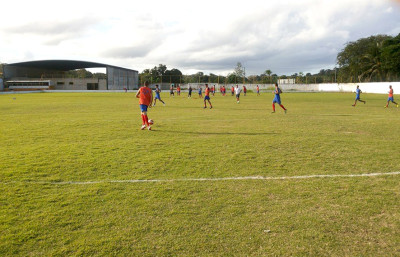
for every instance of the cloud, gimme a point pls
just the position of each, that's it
(129, 51)
(285, 36)
(52, 33)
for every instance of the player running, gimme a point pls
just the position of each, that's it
(391, 99)
(258, 90)
(145, 95)
(171, 91)
(158, 91)
(232, 90)
(237, 92)
(244, 90)
(277, 98)
(358, 93)
(178, 90)
(207, 97)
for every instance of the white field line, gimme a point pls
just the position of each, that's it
(209, 179)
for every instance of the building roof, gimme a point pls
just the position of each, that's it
(63, 65)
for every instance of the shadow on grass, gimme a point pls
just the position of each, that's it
(340, 115)
(217, 133)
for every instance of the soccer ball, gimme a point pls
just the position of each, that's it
(151, 122)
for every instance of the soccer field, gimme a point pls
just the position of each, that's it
(79, 177)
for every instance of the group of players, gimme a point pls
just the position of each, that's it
(145, 95)
(390, 98)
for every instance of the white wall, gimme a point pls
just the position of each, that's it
(374, 87)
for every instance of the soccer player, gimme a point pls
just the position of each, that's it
(258, 90)
(237, 92)
(244, 90)
(213, 90)
(277, 98)
(171, 90)
(232, 90)
(207, 97)
(190, 92)
(158, 91)
(145, 95)
(390, 99)
(200, 92)
(358, 93)
(178, 90)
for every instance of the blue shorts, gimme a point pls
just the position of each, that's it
(357, 97)
(143, 108)
(277, 99)
(390, 99)
(158, 97)
(206, 98)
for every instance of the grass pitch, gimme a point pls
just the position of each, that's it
(48, 139)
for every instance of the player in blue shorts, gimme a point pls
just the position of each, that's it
(277, 98)
(358, 93)
(158, 91)
(391, 99)
(207, 97)
(200, 92)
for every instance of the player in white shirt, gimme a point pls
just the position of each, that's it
(238, 90)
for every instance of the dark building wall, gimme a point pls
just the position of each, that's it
(118, 79)
(16, 72)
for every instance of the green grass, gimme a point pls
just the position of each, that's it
(83, 137)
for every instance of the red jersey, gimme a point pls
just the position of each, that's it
(145, 96)
(178, 89)
(207, 91)
(391, 92)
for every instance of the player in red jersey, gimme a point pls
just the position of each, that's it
(390, 98)
(178, 90)
(258, 90)
(207, 97)
(244, 90)
(232, 90)
(145, 95)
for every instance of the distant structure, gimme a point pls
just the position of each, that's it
(287, 81)
(52, 74)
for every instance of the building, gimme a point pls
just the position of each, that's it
(53, 74)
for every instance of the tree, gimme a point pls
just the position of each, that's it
(233, 78)
(390, 56)
(239, 70)
(268, 73)
(173, 76)
(361, 59)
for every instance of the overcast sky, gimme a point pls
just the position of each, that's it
(285, 36)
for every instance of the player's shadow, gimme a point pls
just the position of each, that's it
(220, 133)
(340, 115)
